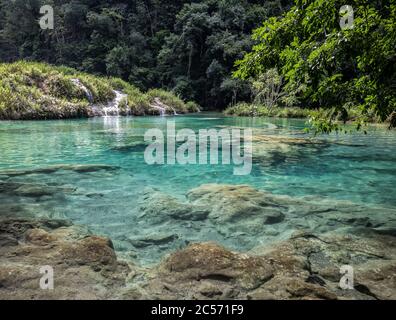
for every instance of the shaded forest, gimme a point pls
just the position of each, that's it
(189, 47)
(279, 56)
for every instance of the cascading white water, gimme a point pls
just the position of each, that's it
(113, 107)
(161, 110)
(88, 93)
(162, 107)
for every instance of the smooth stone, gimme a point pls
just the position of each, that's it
(85, 266)
(35, 191)
(159, 207)
(390, 231)
(240, 205)
(8, 240)
(160, 239)
(84, 168)
(95, 195)
(209, 261)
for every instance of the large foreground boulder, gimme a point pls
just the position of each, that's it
(85, 266)
(304, 267)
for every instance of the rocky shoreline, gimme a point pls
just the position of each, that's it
(86, 266)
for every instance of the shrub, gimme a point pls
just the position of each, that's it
(257, 110)
(192, 107)
(168, 99)
(30, 90)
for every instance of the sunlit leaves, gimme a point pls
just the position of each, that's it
(349, 71)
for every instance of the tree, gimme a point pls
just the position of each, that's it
(345, 71)
(173, 44)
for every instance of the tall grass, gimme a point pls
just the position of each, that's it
(256, 110)
(32, 90)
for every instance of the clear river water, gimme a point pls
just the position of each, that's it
(358, 168)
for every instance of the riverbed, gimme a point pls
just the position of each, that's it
(93, 172)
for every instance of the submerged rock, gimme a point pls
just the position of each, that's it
(159, 239)
(159, 207)
(306, 255)
(306, 266)
(209, 261)
(278, 263)
(34, 190)
(243, 216)
(236, 204)
(83, 168)
(85, 266)
(293, 269)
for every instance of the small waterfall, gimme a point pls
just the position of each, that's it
(88, 93)
(112, 109)
(100, 110)
(161, 110)
(162, 107)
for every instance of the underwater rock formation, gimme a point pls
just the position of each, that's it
(86, 267)
(294, 248)
(303, 267)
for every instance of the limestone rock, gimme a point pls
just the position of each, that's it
(158, 239)
(213, 262)
(242, 208)
(85, 267)
(160, 207)
(84, 168)
(316, 262)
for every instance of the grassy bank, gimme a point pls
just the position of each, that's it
(318, 118)
(30, 90)
(256, 110)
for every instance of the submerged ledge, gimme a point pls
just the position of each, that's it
(86, 267)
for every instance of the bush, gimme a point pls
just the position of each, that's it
(256, 110)
(30, 90)
(193, 107)
(169, 99)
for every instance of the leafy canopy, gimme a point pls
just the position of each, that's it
(345, 71)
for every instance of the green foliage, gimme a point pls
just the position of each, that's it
(30, 90)
(267, 88)
(257, 110)
(349, 72)
(168, 99)
(208, 37)
(38, 91)
(183, 47)
(192, 107)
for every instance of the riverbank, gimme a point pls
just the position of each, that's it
(255, 110)
(319, 119)
(33, 91)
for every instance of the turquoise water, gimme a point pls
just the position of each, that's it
(358, 168)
